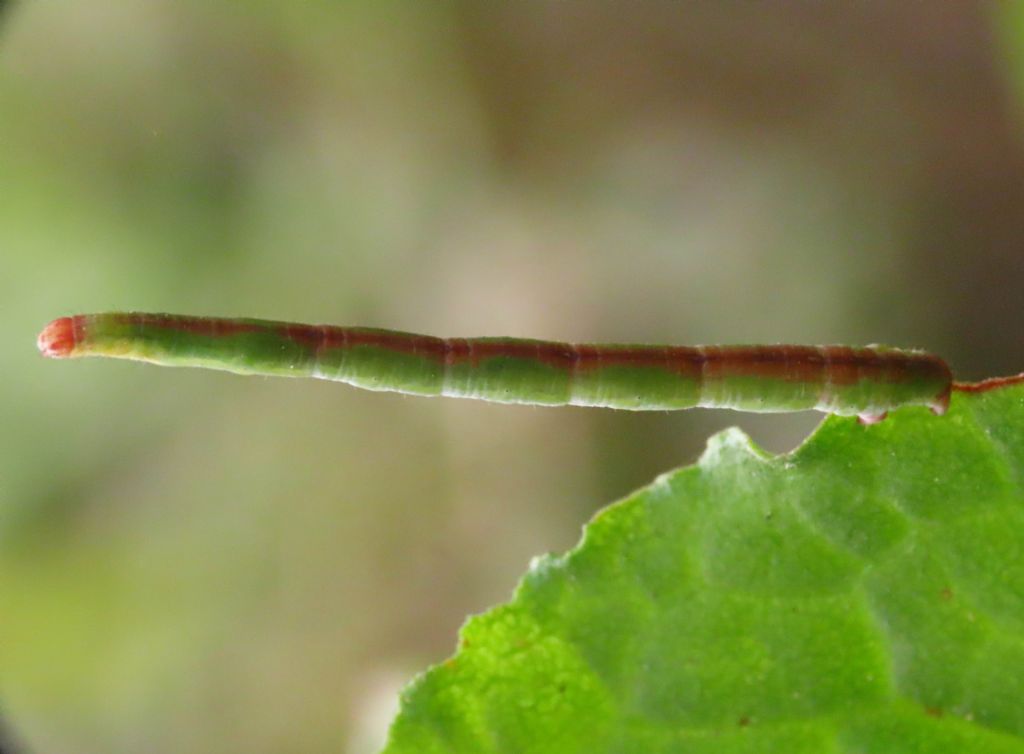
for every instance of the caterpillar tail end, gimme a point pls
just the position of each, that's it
(941, 404)
(57, 340)
(868, 419)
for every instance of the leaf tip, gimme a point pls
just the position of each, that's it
(729, 444)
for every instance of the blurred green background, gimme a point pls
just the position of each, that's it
(194, 561)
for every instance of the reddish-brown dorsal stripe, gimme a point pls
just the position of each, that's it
(457, 351)
(835, 365)
(414, 345)
(790, 363)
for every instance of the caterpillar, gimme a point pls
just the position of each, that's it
(852, 381)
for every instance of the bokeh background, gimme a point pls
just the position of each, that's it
(195, 561)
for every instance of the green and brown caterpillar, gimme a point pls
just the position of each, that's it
(865, 382)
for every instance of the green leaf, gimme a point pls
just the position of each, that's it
(864, 593)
